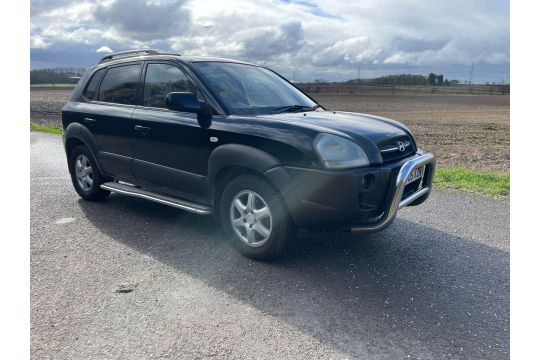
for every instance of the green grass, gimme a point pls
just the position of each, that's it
(52, 85)
(494, 184)
(46, 129)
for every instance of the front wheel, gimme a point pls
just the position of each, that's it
(255, 217)
(85, 174)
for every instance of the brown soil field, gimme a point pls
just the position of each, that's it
(461, 130)
(46, 104)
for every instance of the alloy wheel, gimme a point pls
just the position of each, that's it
(251, 218)
(83, 172)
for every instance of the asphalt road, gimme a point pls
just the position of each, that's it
(126, 278)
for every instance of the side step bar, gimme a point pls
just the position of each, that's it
(162, 199)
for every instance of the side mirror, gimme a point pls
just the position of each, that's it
(187, 102)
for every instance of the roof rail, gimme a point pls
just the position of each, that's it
(169, 53)
(124, 54)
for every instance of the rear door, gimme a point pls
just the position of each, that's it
(170, 148)
(109, 117)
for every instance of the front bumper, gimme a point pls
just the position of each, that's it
(363, 200)
(399, 201)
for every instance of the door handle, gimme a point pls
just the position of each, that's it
(90, 121)
(142, 129)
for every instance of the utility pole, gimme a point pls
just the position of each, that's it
(471, 75)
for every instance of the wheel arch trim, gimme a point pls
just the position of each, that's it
(241, 156)
(76, 131)
(254, 159)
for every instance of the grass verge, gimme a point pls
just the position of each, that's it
(46, 129)
(60, 86)
(493, 184)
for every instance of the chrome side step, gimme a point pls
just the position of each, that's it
(124, 189)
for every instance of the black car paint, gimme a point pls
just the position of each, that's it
(173, 155)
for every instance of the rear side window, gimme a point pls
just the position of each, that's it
(91, 89)
(162, 79)
(120, 85)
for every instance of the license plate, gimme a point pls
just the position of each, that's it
(415, 175)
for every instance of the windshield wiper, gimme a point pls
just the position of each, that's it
(294, 108)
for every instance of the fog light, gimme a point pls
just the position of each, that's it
(367, 181)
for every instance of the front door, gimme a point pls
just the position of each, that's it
(170, 148)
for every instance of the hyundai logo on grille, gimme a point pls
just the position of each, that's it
(401, 146)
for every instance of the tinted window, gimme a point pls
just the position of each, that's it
(120, 84)
(248, 89)
(162, 79)
(91, 89)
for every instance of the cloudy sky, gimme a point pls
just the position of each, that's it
(304, 39)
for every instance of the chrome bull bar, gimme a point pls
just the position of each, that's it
(396, 203)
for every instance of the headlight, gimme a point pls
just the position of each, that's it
(339, 153)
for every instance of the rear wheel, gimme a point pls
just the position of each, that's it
(85, 174)
(255, 217)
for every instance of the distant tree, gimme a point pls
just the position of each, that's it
(401, 79)
(55, 75)
(446, 82)
(432, 79)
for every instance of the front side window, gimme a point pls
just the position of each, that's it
(91, 90)
(120, 85)
(249, 89)
(162, 79)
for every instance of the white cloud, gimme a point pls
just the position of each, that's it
(331, 37)
(355, 50)
(399, 58)
(104, 49)
(37, 42)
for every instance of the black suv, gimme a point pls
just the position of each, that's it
(237, 140)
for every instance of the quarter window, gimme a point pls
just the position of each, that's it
(120, 85)
(91, 89)
(162, 79)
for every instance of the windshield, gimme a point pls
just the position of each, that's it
(248, 89)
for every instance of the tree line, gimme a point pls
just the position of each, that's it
(405, 79)
(55, 75)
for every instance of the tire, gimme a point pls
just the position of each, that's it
(85, 175)
(248, 236)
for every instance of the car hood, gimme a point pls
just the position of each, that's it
(372, 132)
(360, 127)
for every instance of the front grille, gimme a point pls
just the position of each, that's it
(396, 149)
